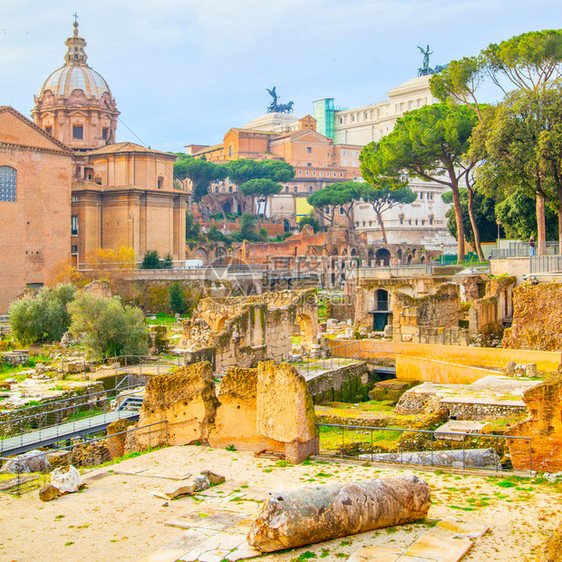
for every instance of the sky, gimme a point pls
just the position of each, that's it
(184, 71)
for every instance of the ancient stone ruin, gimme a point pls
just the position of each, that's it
(544, 426)
(264, 409)
(240, 331)
(317, 513)
(537, 318)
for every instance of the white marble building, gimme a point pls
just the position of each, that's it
(361, 125)
(421, 222)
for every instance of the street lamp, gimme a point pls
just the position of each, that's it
(498, 222)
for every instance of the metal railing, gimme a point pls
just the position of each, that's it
(73, 419)
(545, 264)
(442, 449)
(27, 477)
(519, 249)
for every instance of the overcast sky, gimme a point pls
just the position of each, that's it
(185, 71)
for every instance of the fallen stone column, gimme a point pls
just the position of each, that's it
(317, 513)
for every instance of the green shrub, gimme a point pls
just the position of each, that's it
(151, 260)
(177, 298)
(108, 327)
(42, 317)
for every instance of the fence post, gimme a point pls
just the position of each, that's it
(342, 440)
(463, 451)
(530, 457)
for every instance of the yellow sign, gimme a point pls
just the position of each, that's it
(302, 207)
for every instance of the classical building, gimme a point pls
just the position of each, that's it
(361, 125)
(67, 188)
(421, 222)
(126, 197)
(122, 193)
(317, 161)
(75, 103)
(35, 178)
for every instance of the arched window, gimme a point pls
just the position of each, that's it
(8, 181)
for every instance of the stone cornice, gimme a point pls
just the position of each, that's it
(6, 146)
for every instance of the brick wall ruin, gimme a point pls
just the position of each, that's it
(544, 426)
(491, 308)
(537, 318)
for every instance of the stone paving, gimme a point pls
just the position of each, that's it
(216, 529)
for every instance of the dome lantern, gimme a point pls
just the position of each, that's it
(75, 103)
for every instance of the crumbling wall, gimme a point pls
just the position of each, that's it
(544, 426)
(537, 318)
(268, 408)
(488, 311)
(236, 417)
(285, 411)
(240, 331)
(185, 400)
(439, 310)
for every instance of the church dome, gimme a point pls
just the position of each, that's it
(75, 104)
(75, 74)
(63, 81)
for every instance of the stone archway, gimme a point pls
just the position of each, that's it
(307, 330)
(382, 257)
(370, 256)
(381, 312)
(220, 254)
(201, 254)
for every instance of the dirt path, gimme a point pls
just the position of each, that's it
(117, 516)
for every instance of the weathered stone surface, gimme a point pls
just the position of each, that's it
(177, 489)
(90, 454)
(544, 426)
(66, 479)
(59, 458)
(313, 514)
(116, 443)
(32, 461)
(48, 492)
(236, 418)
(186, 400)
(285, 407)
(391, 389)
(185, 488)
(469, 458)
(214, 479)
(376, 554)
(537, 318)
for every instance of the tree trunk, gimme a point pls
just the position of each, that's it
(458, 219)
(318, 513)
(383, 231)
(475, 230)
(216, 202)
(541, 224)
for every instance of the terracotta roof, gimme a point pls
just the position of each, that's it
(30, 123)
(127, 147)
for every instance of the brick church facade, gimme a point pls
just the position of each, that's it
(67, 188)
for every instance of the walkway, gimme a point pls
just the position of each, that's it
(63, 432)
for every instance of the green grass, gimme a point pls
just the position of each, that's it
(8, 372)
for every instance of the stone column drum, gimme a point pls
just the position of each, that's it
(317, 513)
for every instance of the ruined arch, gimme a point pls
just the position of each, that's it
(201, 254)
(382, 257)
(307, 330)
